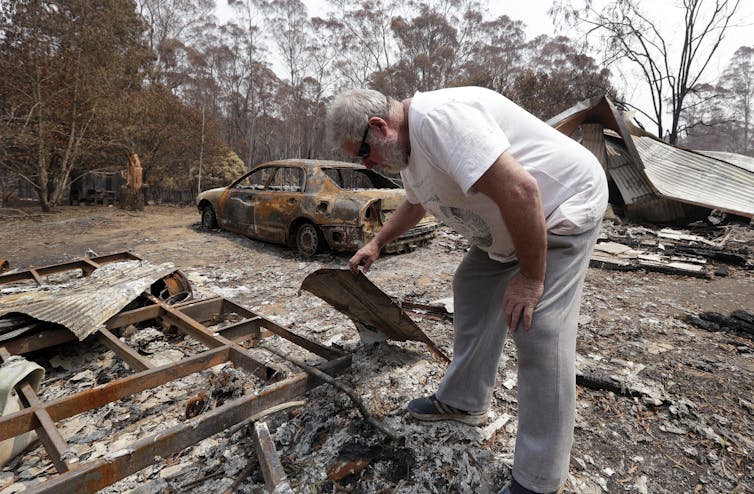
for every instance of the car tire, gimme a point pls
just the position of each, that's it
(308, 240)
(209, 219)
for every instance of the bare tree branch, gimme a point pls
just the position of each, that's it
(622, 25)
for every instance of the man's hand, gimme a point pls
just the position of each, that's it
(364, 257)
(405, 217)
(520, 300)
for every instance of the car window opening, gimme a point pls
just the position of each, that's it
(359, 179)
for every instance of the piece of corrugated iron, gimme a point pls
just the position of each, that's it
(695, 179)
(85, 304)
(633, 185)
(593, 138)
(746, 162)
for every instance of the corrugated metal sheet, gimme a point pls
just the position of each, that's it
(695, 179)
(640, 199)
(745, 162)
(633, 185)
(593, 138)
(661, 210)
(85, 304)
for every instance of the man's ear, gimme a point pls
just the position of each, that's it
(379, 125)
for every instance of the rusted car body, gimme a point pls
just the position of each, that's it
(311, 205)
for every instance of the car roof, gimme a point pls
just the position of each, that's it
(314, 163)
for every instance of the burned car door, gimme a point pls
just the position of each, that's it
(279, 203)
(238, 212)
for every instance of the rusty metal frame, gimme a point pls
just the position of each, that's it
(87, 265)
(200, 320)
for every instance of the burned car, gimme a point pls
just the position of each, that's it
(311, 205)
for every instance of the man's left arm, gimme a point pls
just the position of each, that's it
(516, 194)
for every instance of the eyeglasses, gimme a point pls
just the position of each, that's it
(364, 148)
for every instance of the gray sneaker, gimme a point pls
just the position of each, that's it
(507, 489)
(431, 409)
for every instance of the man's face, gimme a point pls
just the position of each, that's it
(386, 154)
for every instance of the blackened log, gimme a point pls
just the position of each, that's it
(742, 315)
(729, 323)
(725, 256)
(739, 322)
(600, 383)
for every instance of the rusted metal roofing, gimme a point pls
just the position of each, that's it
(85, 304)
(361, 300)
(661, 181)
(696, 179)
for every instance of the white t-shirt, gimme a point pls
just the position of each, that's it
(456, 134)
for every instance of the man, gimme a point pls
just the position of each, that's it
(529, 200)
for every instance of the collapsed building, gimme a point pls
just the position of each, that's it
(652, 180)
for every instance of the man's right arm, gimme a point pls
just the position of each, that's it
(406, 216)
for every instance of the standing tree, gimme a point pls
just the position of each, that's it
(361, 33)
(450, 43)
(172, 25)
(428, 48)
(246, 83)
(736, 86)
(60, 62)
(670, 70)
(723, 117)
(555, 76)
(497, 54)
(154, 130)
(291, 32)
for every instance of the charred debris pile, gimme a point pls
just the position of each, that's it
(158, 390)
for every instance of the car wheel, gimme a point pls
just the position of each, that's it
(308, 239)
(209, 219)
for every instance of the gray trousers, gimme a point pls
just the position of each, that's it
(546, 353)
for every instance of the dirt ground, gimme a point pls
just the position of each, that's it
(698, 439)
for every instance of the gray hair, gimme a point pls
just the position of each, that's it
(349, 114)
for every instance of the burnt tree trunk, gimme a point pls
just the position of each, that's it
(131, 194)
